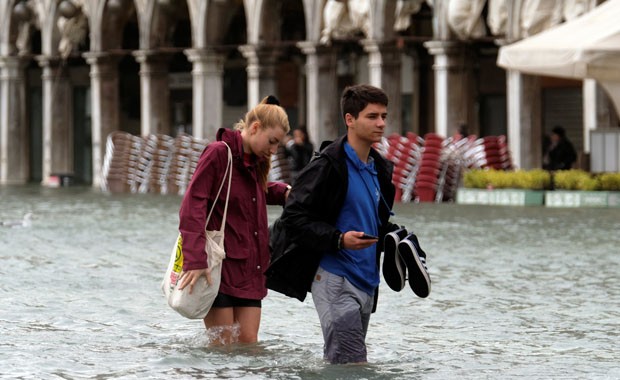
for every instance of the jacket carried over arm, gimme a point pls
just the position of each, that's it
(307, 229)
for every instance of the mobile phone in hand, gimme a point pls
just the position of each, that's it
(368, 237)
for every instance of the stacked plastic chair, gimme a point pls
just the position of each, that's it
(429, 169)
(488, 152)
(504, 153)
(280, 166)
(120, 162)
(410, 165)
(452, 168)
(403, 151)
(426, 169)
(154, 163)
(162, 159)
(187, 151)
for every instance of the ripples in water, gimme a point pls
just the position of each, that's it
(517, 293)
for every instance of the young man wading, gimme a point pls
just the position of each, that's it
(321, 243)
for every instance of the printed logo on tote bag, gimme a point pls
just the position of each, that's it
(177, 268)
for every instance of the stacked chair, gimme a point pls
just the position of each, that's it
(119, 165)
(452, 171)
(280, 166)
(160, 164)
(497, 153)
(426, 169)
(151, 164)
(488, 152)
(429, 169)
(404, 152)
(187, 151)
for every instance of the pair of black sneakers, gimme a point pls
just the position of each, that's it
(402, 253)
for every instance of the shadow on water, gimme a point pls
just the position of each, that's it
(524, 292)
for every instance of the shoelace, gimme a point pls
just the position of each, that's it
(423, 260)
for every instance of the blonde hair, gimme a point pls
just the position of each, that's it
(268, 115)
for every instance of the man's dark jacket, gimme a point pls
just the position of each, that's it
(307, 229)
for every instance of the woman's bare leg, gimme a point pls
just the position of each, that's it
(249, 322)
(219, 321)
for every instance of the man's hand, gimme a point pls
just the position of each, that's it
(353, 240)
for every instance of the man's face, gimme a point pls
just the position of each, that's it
(370, 123)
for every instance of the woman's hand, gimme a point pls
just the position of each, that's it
(191, 276)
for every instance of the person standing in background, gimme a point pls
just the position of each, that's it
(561, 154)
(299, 149)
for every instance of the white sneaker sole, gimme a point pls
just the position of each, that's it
(419, 280)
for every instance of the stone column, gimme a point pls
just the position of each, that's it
(57, 119)
(14, 158)
(384, 72)
(590, 117)
(208, 103)
(154, 92)
(322, 97)
(416, 107)
(524, 120)
(597, 111)
(261, 69)
(453, 96)
(105, 105)
(524, 103)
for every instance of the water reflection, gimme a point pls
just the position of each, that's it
(517, 293)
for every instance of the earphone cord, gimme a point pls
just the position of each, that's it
(380, 194)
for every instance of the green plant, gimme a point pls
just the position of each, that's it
(609, 181)
(500, 179)
(536, 179)
(575, 180)
(474, 179)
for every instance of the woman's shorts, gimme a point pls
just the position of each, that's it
(224, 300)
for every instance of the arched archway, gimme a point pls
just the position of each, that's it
(14, 142)
(180, 71)
(218, 28)
(274, 60)
(129, 77)
(290, 68)
(61, 71)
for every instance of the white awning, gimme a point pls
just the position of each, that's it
(586, 47)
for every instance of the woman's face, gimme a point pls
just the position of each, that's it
(263, 142)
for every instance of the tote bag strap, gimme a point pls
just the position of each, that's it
(228, 173)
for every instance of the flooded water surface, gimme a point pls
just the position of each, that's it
(517, 293)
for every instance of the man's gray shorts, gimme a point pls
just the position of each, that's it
(344, 312)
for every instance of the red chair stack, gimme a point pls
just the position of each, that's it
(429, 168)
(403, 152)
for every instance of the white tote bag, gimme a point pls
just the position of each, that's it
(198, 304)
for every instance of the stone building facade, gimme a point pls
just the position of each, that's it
(72, 71)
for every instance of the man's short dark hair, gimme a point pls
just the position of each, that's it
(355, 98)
(559, 130)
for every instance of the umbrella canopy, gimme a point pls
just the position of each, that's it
(586, 47)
